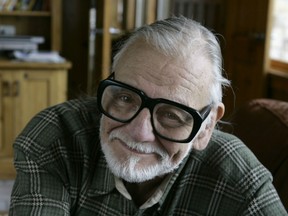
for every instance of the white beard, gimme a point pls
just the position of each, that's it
(127, 169)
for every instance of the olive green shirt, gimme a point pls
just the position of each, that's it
(61, 170)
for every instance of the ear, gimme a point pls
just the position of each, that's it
(202, 140)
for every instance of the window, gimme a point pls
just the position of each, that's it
(279, 32)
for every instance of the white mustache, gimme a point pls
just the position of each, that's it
(137, 146)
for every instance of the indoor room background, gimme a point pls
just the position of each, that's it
(253, 37)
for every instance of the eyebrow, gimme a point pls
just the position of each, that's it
(180, 100)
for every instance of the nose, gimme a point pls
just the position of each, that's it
(140, 128)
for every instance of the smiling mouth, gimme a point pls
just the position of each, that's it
(134, 150)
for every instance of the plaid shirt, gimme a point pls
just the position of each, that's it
(61, 170)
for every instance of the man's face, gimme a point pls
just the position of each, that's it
(132, 150)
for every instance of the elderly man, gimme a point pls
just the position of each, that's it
(147, 145)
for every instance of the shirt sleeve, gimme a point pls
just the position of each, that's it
(36, 191)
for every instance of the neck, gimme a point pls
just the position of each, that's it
(141, 192)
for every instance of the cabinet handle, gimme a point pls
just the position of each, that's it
(6, 89)
(15, 88)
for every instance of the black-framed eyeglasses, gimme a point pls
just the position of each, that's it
(170, 120)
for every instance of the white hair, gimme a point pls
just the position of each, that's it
(180, 36)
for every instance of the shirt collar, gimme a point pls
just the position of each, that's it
(162, 191)
(104, 182)
(172, 179)
(152, 200)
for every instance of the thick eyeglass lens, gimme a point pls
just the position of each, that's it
(120, 103)
(172, 122)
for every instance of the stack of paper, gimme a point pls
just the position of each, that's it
(16, 42)
(36, 56)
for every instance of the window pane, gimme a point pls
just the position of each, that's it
(279, 31)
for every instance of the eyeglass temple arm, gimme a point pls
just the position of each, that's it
(205, 111)
(111, 76)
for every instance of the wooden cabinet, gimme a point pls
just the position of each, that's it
(25, 89)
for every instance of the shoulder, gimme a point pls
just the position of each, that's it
(228, 158)
(82, 110)
(223, 179)
(62, 123)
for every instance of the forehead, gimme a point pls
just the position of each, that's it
(183, 80)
